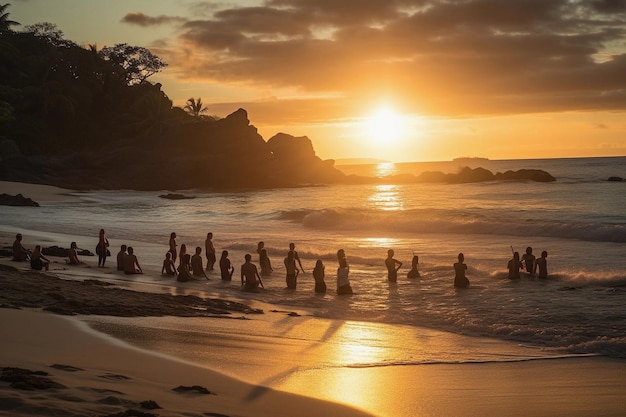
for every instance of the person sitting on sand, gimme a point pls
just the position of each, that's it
(318, 275)
(542, 265)
(292, 270)
(264, 262)
(131, 265)
(121, 255)
(173, 246)
(393, 265)
(38, 261)
(460, 280)
(226, 269)
(72, 254)
(514, 266)
(250, 278)
(414, 273)
(168, 265)
(209, 251)
(529, 260)
(196, 264)
(343, 282)
(20, 253)
(184, 274)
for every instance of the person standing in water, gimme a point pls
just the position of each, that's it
(541, 264)
(196, 264)
(393, 265)
(414, 273)
(121, 255)
(209, 251)
(250, 278)
(292, 249)
(226, 269)
(529, 260)
(102, 248)
(318, 275)
(343, 282)
(173, 246)
(460, 280)
(514, 266)
(292, 270)
(264, 263)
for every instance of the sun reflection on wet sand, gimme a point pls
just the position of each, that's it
(386, 197)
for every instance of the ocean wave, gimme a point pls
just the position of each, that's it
(452, 221)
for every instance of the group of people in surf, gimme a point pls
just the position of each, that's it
(190, 267)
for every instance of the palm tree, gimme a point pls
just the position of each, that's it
(194, 107)
(5, 23)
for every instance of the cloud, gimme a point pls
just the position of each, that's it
(454, 57)
(138, 18)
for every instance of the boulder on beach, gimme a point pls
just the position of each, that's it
(615, 179)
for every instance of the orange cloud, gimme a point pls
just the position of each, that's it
(469, 57)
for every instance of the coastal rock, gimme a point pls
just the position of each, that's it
(62, 252)
(174, 196)
(615, 179)
(526, 174)
(17, 200)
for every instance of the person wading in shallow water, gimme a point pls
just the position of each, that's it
(460, 280)
(102, 248)
(393, 265)
(343, 282)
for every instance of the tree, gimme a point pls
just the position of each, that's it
(5, 23)
(50, 33)
(135, 62)
(194, 107)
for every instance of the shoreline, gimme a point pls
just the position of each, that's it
(275, 354)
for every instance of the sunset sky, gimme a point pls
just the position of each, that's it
(400, 80)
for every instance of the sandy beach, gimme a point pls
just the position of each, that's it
(113, 343)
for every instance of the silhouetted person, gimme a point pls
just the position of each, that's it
(292, 248)
(225, 268)
(343, 282)
(121, 255)
(184, 274)
(72, 254)
(264, 262)
(20, 253)
(131, 264)
(292, 270)
(38, 261)
(529, 260)
(196, 264)
(460, 280)
(514, 266)
(414, 273)
(183, 252)
(250, 278)
(393, 265)
(102, 248)
(541, 264)
(168, 267)
(318, 275)
(209, 251)
(173, 245)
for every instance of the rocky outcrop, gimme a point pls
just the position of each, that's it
(469, 175)
(615, 179)
(17, 200)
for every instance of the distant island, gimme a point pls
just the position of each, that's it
(465, 159)
(97, 122)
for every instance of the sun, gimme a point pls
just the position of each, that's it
(384, 126)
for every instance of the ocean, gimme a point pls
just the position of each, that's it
(580, 220)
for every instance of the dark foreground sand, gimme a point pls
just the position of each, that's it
(52, 365)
